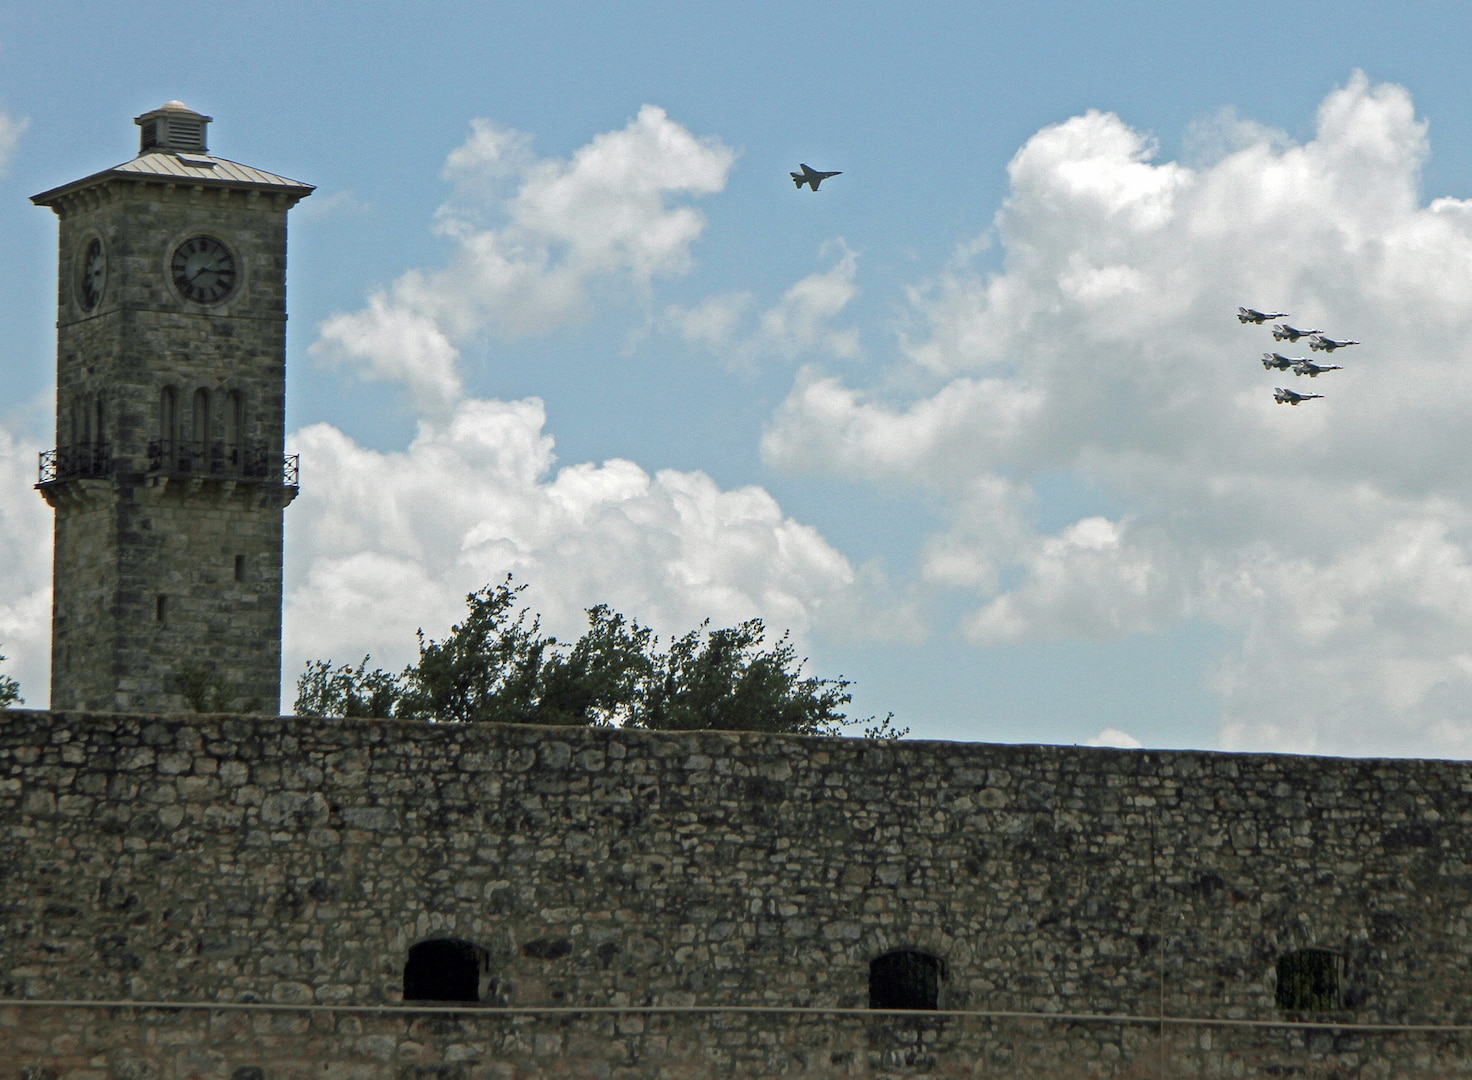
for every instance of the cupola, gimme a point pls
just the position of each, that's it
(173, 128)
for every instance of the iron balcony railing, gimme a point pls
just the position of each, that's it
(221, 460)
(209, 460)
(75, 462)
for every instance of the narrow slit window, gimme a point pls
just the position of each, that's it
(905, 979)
(160, 607)
(240, 568)
(1310, 980)
(444, 969)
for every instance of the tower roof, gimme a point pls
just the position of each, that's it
(173, 149)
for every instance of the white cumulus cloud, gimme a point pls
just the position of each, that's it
(535, 240)
(25, 570)
(11, 129)
(381, 544)
(801, 323)
(1331, 539)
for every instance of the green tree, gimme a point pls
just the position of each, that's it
(205, 692)
(9, 691)
(724, 679)
(496, 666)
(603, 679)
(488, 669)
(347, 691)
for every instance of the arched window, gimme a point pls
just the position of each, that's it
(234, 427)
(168, 416)
(444, 969)
(905, 979)
(200, 430)
(1310, 980)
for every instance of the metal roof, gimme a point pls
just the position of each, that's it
(169, 167)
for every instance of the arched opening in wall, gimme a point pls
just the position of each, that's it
(199, 431)
(444, 969)
(1310, 980)
(234, 427)
(168, 424)
(905, 979)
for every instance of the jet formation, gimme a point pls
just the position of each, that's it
(1318, 341)
(811, 177)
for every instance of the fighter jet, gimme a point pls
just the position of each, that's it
(1313, 370)
(1272, 360)
(1248, 315)
(1328, 344)
(1290, 397)
(1284, 332)
(811, 177)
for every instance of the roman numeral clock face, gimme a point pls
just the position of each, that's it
(203, 270)
(94, 272)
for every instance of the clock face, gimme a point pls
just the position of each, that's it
(94, 271)
(203, 270)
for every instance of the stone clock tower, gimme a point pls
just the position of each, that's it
(169, 477)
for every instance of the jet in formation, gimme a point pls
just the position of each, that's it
(1247, 314)
(811, 177)
(1328, 344)
(1307, 367)
(1272, 360)
(1291, 397)
(1284, 332)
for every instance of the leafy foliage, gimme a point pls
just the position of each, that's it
(724, 679)
(496, 666)
(205, 692)
(346, 691)
(9, 691)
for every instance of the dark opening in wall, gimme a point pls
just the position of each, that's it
(160, 607)
(240, 568)
(1310, 980)
(904, 979)
(445, 969)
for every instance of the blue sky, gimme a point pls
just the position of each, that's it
(974, 420)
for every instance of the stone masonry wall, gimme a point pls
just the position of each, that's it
(286, 866)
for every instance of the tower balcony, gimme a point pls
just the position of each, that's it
(221, 461)
(88, 461)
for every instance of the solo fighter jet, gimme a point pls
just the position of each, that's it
(1313, 370)
(811, 177)
(1328, 344)
(1284, 332)
(1290, 397)
(1249, 315)
(1272, 360)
